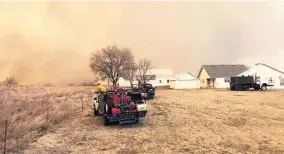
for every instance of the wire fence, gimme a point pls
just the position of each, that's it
(4, 123)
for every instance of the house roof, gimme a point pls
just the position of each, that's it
(183, 76)
(269, 67)
(220, 71)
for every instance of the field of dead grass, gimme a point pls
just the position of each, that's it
(31, 110)
(179, 121)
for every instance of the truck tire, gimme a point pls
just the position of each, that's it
(240, 88)
(106, 121)
(263, 87)
(246, 88)
(96, 112)
(108, 107)
(137, 121)
(256, 87)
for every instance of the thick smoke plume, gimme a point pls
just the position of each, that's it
(44, 42)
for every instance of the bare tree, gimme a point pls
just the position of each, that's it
(110, 62)
(129, 73)
(144, 70)
(9, 81)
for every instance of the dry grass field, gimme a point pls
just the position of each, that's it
(179, 121)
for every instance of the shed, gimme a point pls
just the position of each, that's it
(185, 81)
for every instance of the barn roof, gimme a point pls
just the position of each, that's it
(220, 71)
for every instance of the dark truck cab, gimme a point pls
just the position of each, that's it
(150, 90)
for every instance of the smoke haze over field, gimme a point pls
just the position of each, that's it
(52, 41)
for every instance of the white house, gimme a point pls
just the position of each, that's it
(268, 73)
(185, 81)
(218, 76)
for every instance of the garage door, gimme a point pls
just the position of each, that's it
(188, 84)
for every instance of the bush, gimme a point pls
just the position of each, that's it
(10, 81)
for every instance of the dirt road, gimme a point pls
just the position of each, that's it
(193, 121)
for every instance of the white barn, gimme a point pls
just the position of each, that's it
(185, 81)
(161, 77)
(268, 73)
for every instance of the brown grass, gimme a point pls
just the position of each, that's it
(179, 121)
(31, 110)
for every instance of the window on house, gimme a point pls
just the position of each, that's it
(168, 81)
(202, 80)
(160, 81)
(227, 79)
(281, 81)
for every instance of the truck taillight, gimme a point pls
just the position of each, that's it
(115, 111)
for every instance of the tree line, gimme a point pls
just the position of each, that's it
(113, 62)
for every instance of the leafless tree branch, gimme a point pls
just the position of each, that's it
(144, 70)
(111, 62)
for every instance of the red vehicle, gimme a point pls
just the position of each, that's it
(120, 106)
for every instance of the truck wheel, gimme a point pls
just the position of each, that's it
(106, 121)
(263, 87)
(257, 87)
(96, 112)
(137, 120)
(240, 88)
(246, 88)
(108, 107)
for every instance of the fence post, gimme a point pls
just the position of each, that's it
(82, 103)
(47, 118)
(5, 138)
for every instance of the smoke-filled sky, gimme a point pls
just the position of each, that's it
(52, 41)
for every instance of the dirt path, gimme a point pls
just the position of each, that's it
(179, 122)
